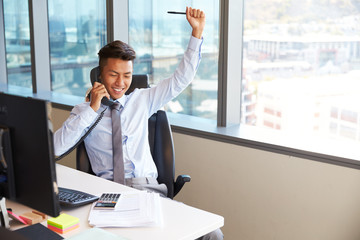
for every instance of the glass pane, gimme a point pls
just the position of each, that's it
(301, 65)
(77, 30)
(17, 37)
(160, 40)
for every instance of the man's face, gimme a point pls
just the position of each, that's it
(117, 76)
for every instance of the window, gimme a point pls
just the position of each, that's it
(17, 41)
(77, 30)
(288, 72)
(303, 63)
(160, 40)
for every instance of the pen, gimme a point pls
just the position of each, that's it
(173, 12)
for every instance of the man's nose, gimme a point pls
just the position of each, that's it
(119, 80)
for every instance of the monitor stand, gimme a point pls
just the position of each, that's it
(3, 213)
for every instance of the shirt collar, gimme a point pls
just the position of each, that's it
(122, 100)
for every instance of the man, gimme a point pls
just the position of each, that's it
(116, 67)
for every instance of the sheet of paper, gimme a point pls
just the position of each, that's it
(128, 201)
(133, 209)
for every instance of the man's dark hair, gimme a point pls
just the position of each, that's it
(115, 49)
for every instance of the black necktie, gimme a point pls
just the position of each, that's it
(117, 144)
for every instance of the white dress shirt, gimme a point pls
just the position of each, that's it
(138, 106)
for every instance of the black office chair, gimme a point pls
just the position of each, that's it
(160, 141)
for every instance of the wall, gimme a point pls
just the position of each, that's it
(58, 117)
(264, 195)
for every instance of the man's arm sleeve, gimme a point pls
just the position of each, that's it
(171, 87)
(81, 117)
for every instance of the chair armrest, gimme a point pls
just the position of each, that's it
(180, 181)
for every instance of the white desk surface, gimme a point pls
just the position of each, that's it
(180, 220)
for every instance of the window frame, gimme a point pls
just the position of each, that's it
(229, 73)
(39, 46)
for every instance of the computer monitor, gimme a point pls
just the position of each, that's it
(32, 151)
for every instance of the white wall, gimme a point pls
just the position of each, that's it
(265, 195)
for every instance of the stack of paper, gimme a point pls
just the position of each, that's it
(63, 223)
(133, 209)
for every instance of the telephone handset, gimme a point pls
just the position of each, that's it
(94, 77)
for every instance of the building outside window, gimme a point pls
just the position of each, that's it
(77, 30)
(17, 41)
(301, 60)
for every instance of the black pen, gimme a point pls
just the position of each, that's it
(173, 12)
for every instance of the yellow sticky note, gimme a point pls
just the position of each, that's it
(63, 221)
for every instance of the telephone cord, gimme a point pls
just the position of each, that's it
(83, 137)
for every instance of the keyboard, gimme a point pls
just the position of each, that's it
(74, 198)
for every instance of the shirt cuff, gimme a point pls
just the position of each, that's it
(195, 43)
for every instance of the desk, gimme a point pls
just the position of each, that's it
(180, 220)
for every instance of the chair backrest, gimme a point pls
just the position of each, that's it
(160, 140)
(162, 149)
(82, 159)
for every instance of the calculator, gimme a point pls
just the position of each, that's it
(107, 201)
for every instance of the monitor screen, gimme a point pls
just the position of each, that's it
(32, 151)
